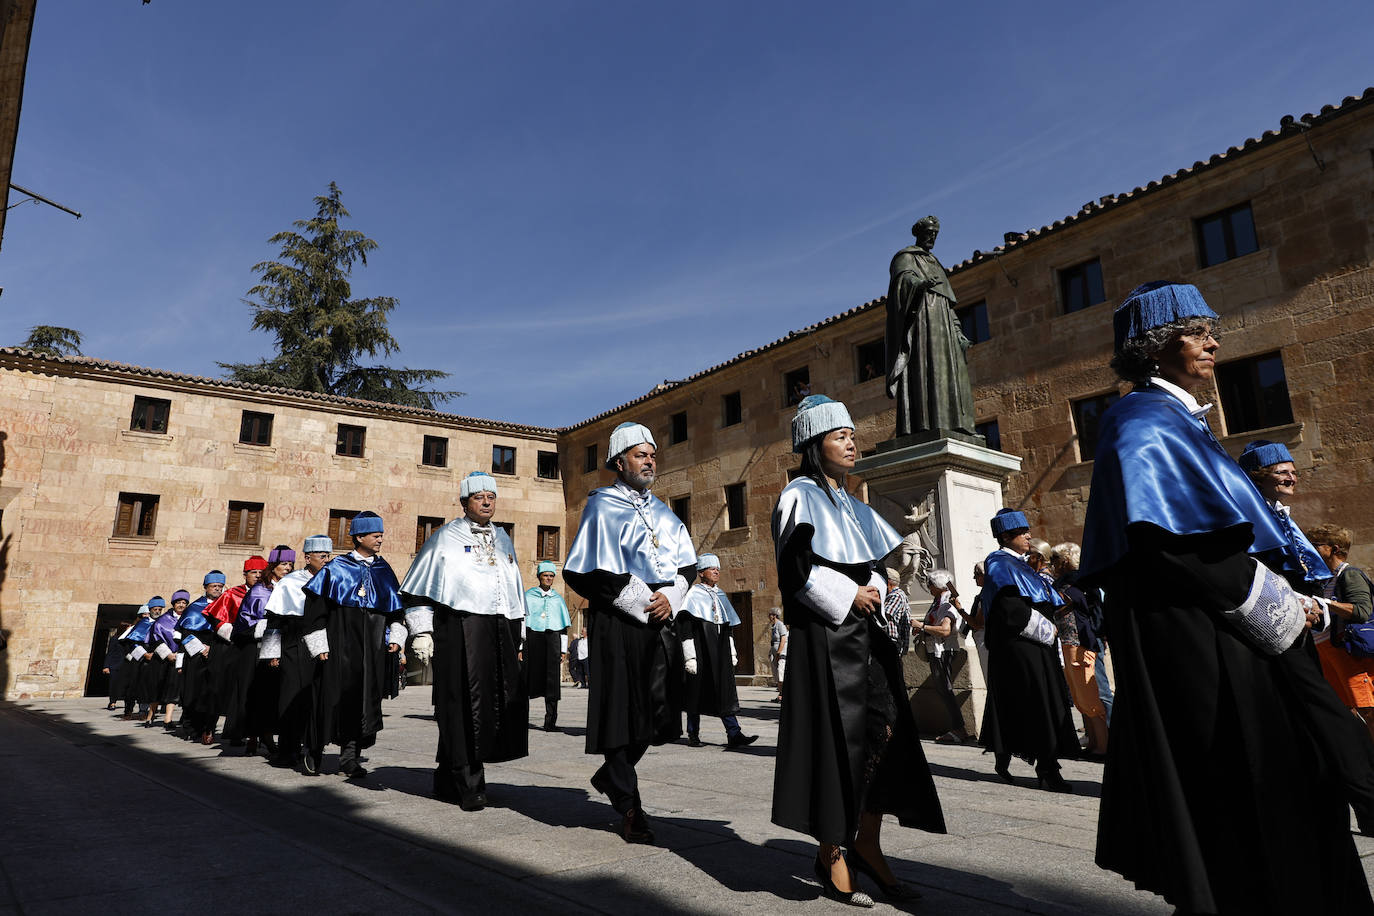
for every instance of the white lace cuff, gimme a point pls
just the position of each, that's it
(193, 645)
(829, 593)
(1040, 629)
(225, 631)
(397, 635)
(1271, 617)
(317, 643)
(163, 650)
(689, 649)
(676, 593)
(734, 655)
(138, 653)
(260, 628)
(271, 645)
(180, 657)
(633, 599)
(420, 619)
(563, 643)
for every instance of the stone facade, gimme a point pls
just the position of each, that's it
(69, 452)
(1306, 294)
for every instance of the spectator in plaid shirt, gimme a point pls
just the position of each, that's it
(898, 614)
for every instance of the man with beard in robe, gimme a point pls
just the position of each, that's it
(633, 561)
(464, 587)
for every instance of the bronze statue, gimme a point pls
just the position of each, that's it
(927, 370)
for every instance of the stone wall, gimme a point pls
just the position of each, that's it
(1307, 293)
(69, 452)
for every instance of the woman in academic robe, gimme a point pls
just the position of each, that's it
(259, 680)
(1215, 794)
(1028, 699)
(848, 750)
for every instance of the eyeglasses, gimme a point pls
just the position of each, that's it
(1200, 334)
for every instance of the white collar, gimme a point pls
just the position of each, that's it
(625, 488)
(366, 561)
(1189, 402)
(1280, 508)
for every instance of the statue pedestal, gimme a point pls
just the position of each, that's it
(961, 482)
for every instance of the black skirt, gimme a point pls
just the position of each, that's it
(711, 691)
(543, 665)
(479, 702)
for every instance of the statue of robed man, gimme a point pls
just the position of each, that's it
(927, 370)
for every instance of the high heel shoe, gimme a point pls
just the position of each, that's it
(895, 891)
(828, 888)
(1054, 783)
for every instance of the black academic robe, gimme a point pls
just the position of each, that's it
(1029, 713)
(1215, 794)
(299, 671)
(543, 664)
(636, 697)
(479, 700)
(357, 675)
(711, 691)
(847, 741)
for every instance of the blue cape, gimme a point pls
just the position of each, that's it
(543, 612)
(1158, 464)
(346, 582)
(1297, 554)
(1001, 569)
(193, 619)
(138, 633)
(615, 538)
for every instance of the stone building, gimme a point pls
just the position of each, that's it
(118, 483)
(1277, 234)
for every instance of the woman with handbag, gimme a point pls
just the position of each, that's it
(1215, 795)
(1346, 648)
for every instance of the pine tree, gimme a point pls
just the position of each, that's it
(305, 300)
(51, 340)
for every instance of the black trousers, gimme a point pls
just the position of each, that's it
(550, 712)
(942, 679)
(618, 775)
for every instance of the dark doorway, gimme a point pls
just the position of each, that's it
(744, 633)
(110, 619)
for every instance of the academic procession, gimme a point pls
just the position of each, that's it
(1164, 642)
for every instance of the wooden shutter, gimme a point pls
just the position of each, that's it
(252, 525)
(232, 526)
(124, 519)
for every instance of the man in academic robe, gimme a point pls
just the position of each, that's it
(283, 647)
(633, 561)
(545, 643)
(196, 632)
(166, 666)
(146, 669)
(352, 624)
(254, 705)
(1344, 742)
(709, 655)
(114, 660)
(225, 651)
(464, 601)
(125, 686)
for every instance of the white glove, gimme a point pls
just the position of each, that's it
(690, 665)
(734, 656)
(225, 631)
(422, 647)
(260, 628)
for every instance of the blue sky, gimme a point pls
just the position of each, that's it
(576, 201)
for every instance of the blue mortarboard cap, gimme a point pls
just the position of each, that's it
(546, 566)
(707, 561)
(365, 523)
(477, 482)
(1261, 453)
(212, 577)
(1008, 520)
(1150, 305)
(626, 436)
(318, 543)
(156, 601)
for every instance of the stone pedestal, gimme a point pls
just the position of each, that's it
(960, 484)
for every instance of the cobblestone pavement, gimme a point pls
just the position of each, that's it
(102, 815)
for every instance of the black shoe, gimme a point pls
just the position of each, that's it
(600, 783)
(353, 769)
(1054, 783)
(310, 764)
(895, 891)
(740, 739)
(828, 888)
(474, 802)
(550, 727)
(635, 827)
(1005, 774)
(694, 741)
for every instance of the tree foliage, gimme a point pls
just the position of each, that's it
(323, 334)
(51, 340)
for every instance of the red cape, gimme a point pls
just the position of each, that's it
(225, 608)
